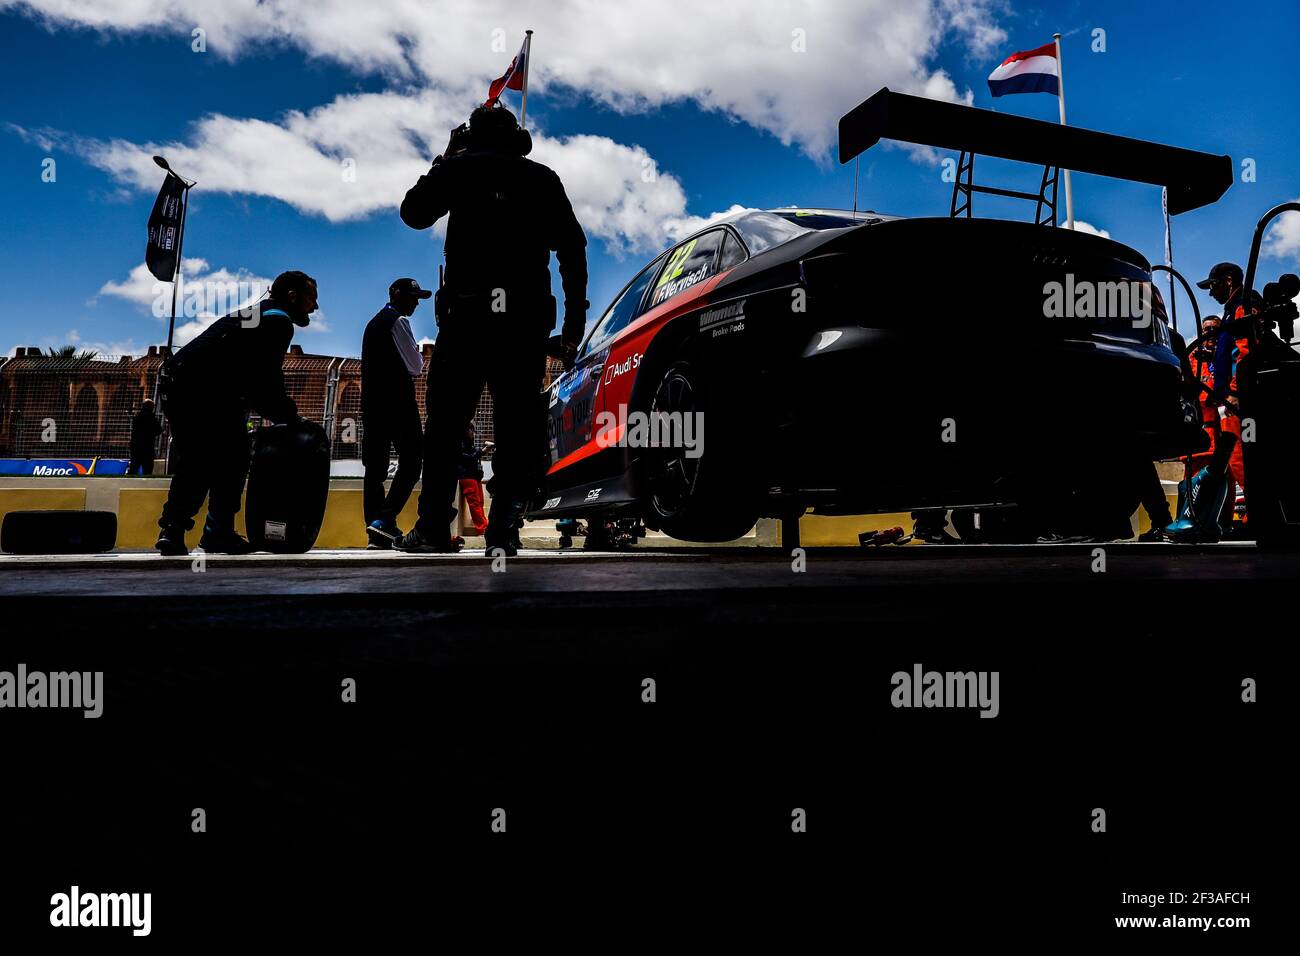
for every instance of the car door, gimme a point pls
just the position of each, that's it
(688, 272)
(572, 399)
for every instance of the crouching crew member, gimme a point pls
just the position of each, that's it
(390, 364)
(207, 389)
(495, 313)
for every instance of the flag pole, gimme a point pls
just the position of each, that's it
(178, 276)
(528, 62)
(1169, 258)
(855, 186)
(1060, 99)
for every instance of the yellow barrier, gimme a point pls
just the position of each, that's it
(842, 531)
(41, 499)
(138, 503)
(343, 527)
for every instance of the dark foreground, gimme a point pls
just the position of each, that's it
(523, 691)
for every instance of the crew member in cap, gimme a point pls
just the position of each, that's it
(506, 215)
(237, 362)
(390, 364)
(1225, 285)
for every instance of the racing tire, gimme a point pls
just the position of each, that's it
(708, 497)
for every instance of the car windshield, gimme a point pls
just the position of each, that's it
(763, 230)
(822, 218)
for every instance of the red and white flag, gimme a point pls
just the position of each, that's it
(1029, 71)
(513, 78)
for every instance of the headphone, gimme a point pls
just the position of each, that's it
(497, 127)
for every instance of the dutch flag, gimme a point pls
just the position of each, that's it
(1030, 71)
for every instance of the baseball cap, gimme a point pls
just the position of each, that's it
(1221, 271)
(408, 287)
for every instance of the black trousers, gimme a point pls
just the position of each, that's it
(209, 454)
(509, 357)
(387, 427)
(1112, 490)
(1154, 502)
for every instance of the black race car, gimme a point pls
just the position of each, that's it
(854, 362)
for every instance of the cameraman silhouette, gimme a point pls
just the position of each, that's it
(495, 314)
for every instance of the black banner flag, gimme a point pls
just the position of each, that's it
(164, 229)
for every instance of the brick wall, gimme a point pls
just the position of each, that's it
(65, 407)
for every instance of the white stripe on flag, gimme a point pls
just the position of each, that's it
(1034, 64)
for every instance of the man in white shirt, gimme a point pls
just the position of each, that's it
(390, 364)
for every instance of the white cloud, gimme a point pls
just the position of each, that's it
(790, 68)
(104, 351)
(1081, 226)
(142, 289)
(207, 294)
(683, 226)
(343, 160)
(618, 192)
(1282, 241)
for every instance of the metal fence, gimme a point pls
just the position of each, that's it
(68, 406)
(83, 406)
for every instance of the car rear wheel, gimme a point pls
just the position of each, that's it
(705, 493)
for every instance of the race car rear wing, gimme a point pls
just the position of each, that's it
(1193, 179)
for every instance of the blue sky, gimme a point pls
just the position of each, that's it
(721, 107)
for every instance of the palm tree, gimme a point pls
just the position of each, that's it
(70, 352)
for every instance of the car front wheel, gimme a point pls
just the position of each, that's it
(697, 489)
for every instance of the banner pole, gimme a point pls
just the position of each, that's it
(178, 276)
(528, 62)
(1060, 98)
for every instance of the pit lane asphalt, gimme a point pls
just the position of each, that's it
(563, 577)
(524, 690)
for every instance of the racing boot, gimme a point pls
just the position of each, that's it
(1237, 531)
(503, 527)
(416, 541)
(382, 534)
(508, 546)
(931, 526)
(220, 538)
(598, 536)
(171, 541)
(1188, 531)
